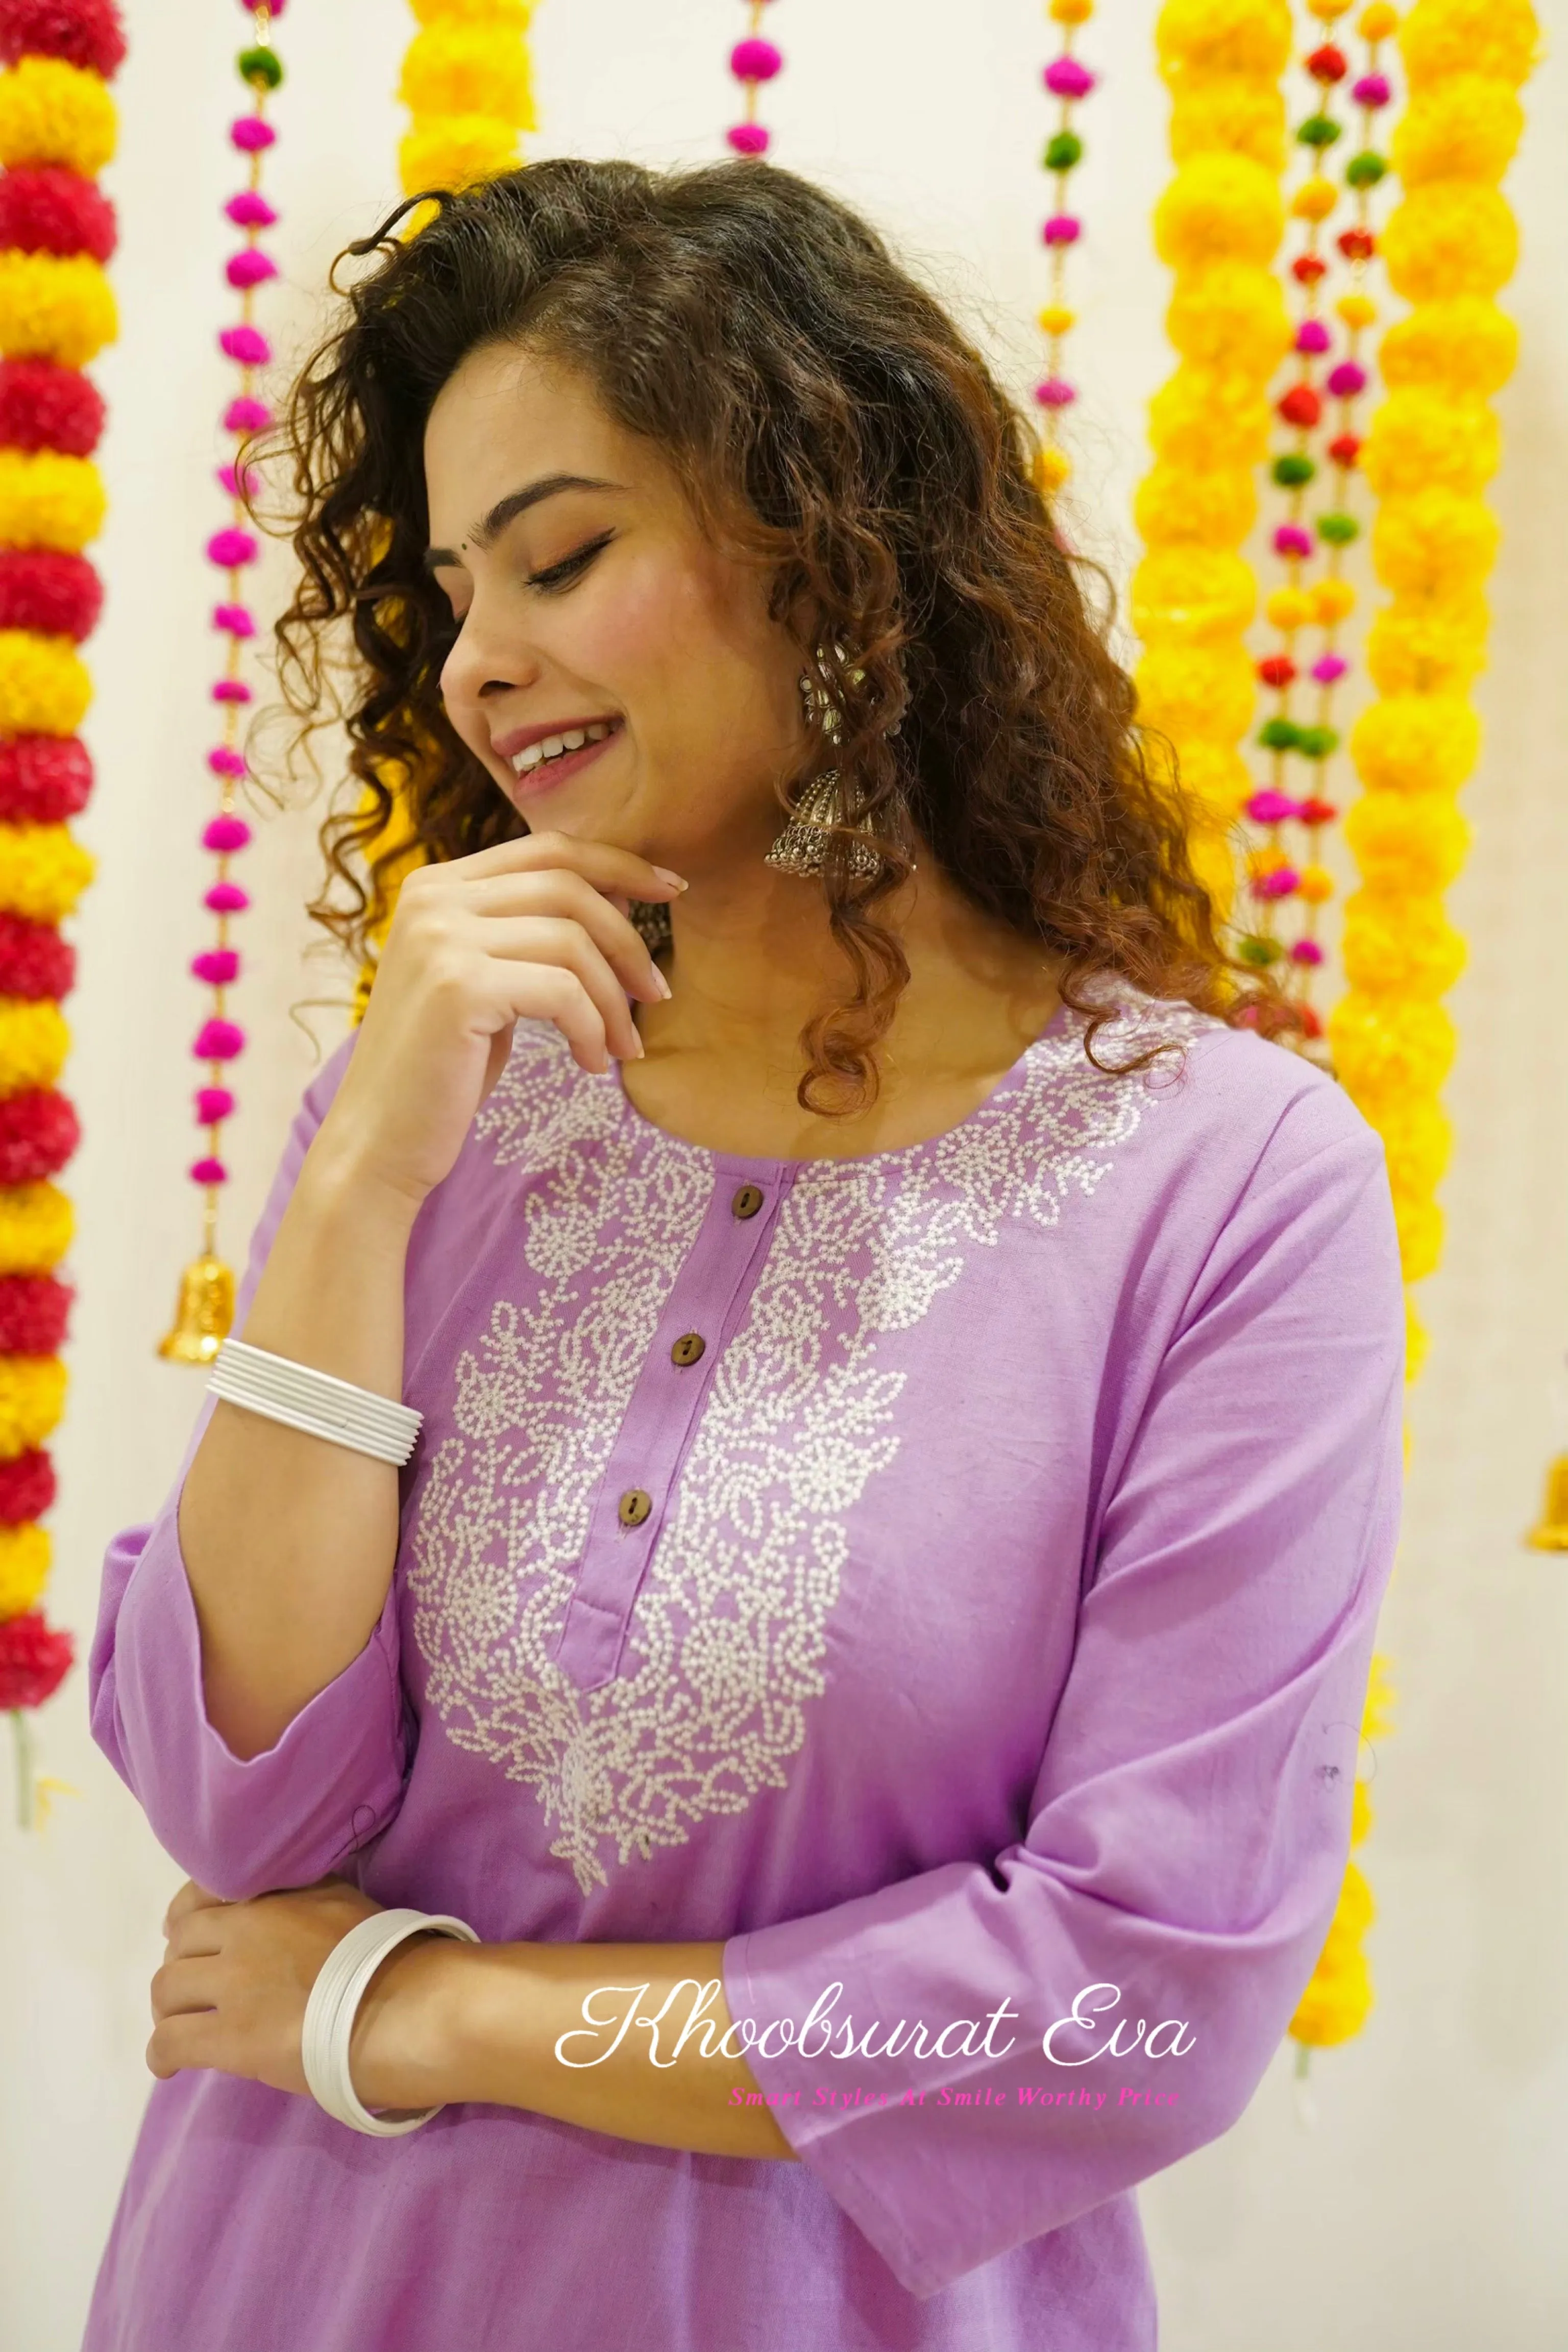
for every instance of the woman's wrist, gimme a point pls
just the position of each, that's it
(405, 2047)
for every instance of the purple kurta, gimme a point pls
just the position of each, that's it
(996, 1640)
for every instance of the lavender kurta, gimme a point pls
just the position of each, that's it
(997, 1639)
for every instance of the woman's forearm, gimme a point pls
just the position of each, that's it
(289, 1541)
(445, 2022)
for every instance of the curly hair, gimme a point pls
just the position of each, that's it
(828, 421)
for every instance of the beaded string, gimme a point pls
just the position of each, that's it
(233, 550)
(1278, 877)
(1067, 82)
(752, 61)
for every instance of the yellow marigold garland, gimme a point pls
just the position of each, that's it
(1219, 225)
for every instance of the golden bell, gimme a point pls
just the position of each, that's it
(1552, 1533)
(205, 1313)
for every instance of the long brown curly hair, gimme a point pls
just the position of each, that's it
(827, 420)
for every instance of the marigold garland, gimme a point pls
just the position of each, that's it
(56, 311)
(1068, 80)
(1217, 226)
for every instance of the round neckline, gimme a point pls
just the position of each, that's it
(758, 1164)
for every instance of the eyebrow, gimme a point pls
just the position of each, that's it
(486, 531)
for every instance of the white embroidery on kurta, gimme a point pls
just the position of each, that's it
(728, 1634)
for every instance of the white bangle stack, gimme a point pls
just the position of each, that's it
(321, 1406)
(334, 2000)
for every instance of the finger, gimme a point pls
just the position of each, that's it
(551, 992)
(602, 863)
(184, 1985)
(191, 1897)
(185, 2041)
(559, 892)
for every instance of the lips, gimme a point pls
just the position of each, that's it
(541, 758)
(552, 734)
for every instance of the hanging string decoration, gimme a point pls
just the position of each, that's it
(1217, 226)
(754, 61)
(1320, 441)
(1067, 82)
(56, 311)
(206, 1307)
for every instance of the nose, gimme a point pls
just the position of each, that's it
(488, 659)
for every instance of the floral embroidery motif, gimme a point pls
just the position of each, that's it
(729, 1630)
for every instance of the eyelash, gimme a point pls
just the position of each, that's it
(562, 574)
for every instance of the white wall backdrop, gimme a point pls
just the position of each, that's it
(1418, 2209)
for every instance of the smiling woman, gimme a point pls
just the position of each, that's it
(851, 1565)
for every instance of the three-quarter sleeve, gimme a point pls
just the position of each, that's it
(335, 1776)
(1189, 1826)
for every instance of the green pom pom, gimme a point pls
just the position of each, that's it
(1317, 742)
(1262, 953)
(260, 65)
(1365, 171)
(1319, 130)
(1291, 470)
(1339, 529)
(1063, 151)
(1280, 735)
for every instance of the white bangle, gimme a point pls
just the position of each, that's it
(321, 1406)
(334, 1999)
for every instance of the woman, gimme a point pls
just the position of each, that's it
(911, 1376)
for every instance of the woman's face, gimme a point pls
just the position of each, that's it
(591, 605)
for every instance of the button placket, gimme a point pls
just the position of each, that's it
(706, 1303)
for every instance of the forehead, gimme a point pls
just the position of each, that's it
(507, 415)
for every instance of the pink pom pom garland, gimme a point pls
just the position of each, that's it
(1067, 80)
(1319, 419)
(754, 61)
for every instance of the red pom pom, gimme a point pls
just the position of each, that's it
(1344, 449)
(44, 779)
(1317, 812)
(60, 596)
(84, 32)
(43, 406)
(1356, 244)
(34, 1661)
(1301, 406)
(1327, 64)
(1314, 1027)
(51, 210)
(38, 1133)
(35, 962)
(27, 1488)
(1277, 671)
(33, 1312)
(1307, 268)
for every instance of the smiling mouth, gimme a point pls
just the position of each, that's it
(554, 749)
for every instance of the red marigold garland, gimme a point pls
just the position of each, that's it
(57, 231)
(205, 1306)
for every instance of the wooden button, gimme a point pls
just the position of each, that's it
(688, 1348)
(634, 1507)
(746, 1202)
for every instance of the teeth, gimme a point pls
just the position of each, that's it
(552, 746)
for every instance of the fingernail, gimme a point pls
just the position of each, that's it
(639, 1048)
(676, 881)
(660, 982)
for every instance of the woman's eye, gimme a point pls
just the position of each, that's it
(560, 575)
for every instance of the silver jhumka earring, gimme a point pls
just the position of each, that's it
(821, 810)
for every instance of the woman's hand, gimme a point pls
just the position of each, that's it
(237, 1977)
(533, 929)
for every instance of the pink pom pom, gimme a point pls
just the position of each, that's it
(1373, 91)
(1311, 335)
(250, 134)
(208, 1172)
(1062, 228)
(1306, 951)
(277, 7)
(755, 60)
(229, 548)
(1347, 379)
(213, 1104)
(223, 834)
(231, 689)
(249, 268)
(229, 479)
(225, 763)
(218, 1040)
(1270, 808)
(248, 345)
(1064, 78)
(226, 898)
(234, 620)
(1055, 393)
(748, 138)
(246, 415)
(216, 966)
(1277, 884)
(250, 209)
(1328, 669)
(1292, 539)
